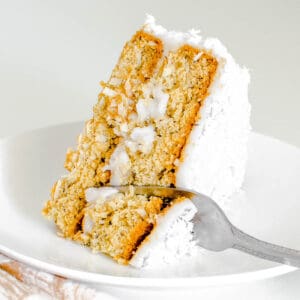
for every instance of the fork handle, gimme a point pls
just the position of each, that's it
(255, 247)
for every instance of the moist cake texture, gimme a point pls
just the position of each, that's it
(174, 112)
(121, 221)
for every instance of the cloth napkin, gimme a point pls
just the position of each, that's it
(19, 281)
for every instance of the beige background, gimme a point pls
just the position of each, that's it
(54, 53)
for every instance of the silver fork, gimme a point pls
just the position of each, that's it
(213, 231)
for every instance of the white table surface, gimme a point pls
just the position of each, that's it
(54, 53)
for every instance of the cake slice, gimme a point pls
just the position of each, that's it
(174, 112)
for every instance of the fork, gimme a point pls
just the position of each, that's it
(213, 231)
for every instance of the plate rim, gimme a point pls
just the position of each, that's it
(157, 282)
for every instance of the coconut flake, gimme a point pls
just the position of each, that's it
(87, 224)
(141, 139)
(154, 105)
(119, 165)
(108, 92)
(93, 194)
(115, 81)
(197, 56)
(101, 138)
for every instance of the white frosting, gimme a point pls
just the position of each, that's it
(141, 139)
(119, 165)
(170, 241)
(172, 40)
(155, 103)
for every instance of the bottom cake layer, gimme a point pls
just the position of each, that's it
(138, 229)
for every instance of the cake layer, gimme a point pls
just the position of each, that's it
(117, 223)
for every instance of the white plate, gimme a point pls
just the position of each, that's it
(30, 163)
